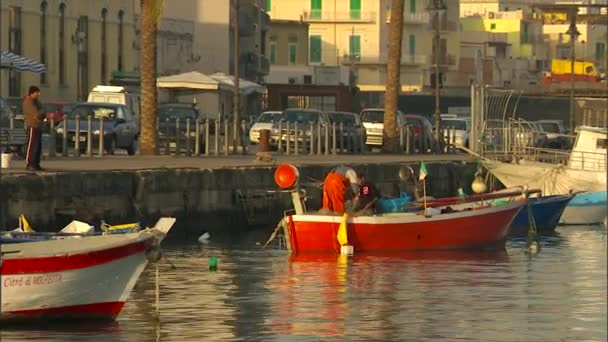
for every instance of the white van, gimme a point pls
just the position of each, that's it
(115, 94)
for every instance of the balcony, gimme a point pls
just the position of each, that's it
(405, 59)
(339, 17)
(411, 18)
(448, 60)
(264, 66)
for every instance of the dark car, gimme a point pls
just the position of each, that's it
(120, 128)
(349, 121)
(169, 115)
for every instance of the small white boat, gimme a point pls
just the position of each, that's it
(586, 209)
(76, 277)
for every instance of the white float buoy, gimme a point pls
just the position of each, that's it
(347, 250)
(204, 239)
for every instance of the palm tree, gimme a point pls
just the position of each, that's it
(150, 16)
(393, 68)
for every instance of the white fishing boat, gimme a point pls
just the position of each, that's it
(585, 170)
(584, 174)
(75, 277)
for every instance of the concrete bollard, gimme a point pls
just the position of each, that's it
(243, 137)
(226, 137)
(207, 140)
(188, 138)
(177, 137)
(216, 147)
(341, 135)
(89, 136)
(197, 137)
(296, 138)
(333, 138)
(287, 140)
(312, 139)
(64, 139)
(408, 140)
(77, 137)
(102, 134)
(280, 142)
(319, 139)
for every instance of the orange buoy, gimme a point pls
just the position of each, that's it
(286, 176)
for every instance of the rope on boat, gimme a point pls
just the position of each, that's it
(278, 229)
(532, 243)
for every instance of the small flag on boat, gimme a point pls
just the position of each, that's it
(342, 234)
(423, 171)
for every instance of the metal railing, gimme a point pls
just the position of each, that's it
(90, 137)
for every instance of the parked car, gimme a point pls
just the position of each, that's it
(16, 105)
(556, 134)
(304, 118)
(120, 127)
(264, 121)
(7, 112)
(13, 139)
(421, 130)
(373, 121)
(56, 110)
(348, 120)
(459, 126)
(527, 134)
(168, 116)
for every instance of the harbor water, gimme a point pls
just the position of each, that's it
(268, 295)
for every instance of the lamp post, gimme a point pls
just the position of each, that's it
(437, 7)
(574, 34)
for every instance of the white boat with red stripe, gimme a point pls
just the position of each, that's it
(86, 277)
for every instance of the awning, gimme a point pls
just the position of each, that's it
(9, 60)
(246, 87)
(192, 80)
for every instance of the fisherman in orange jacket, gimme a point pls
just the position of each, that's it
(336, 187)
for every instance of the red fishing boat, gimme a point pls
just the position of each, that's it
(431, 229)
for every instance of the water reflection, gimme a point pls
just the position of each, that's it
(559, 294)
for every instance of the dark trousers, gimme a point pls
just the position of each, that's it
(34, 147)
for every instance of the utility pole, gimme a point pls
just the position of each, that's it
(437, 7)
(574, 34)
(236, 110)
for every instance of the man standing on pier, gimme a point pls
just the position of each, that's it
(32, 112)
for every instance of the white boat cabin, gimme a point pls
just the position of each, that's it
(589, 151)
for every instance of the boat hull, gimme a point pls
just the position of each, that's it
(586, 209)
(91, 284)
(546, 211)
(483, 228)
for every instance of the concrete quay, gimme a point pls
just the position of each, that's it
(204, 193)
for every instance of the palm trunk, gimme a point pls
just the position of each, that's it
(393, 69)
(148, 113)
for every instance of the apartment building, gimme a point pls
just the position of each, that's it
(198, 35)
(354, 33)
(80, 42)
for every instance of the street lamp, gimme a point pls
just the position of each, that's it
(574, 34)
(437, 7)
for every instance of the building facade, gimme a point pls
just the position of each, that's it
(198, 35)
(80, 42)
(354, 33)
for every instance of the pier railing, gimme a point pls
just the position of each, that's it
(88, 137)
